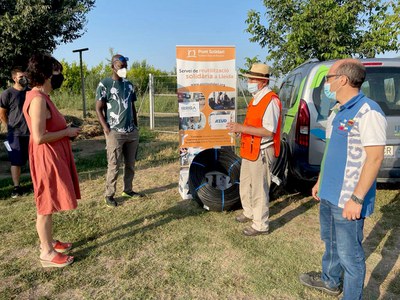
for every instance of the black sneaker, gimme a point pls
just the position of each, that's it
(110, 201)
(16, 192)
(132, 194)
(313, 280)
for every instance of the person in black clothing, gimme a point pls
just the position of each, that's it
(11, 103)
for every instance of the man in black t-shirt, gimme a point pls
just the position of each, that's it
(11, 103)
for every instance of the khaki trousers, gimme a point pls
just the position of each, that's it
(121, 145)
(255, 181)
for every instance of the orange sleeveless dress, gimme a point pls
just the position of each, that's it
(52, 166)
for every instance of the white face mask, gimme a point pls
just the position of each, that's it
(252, 87)
(122, 73)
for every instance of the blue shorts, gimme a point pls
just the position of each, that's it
(19, 149)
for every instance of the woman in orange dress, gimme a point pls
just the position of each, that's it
(53, 171)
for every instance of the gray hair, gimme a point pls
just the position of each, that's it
(354, 70)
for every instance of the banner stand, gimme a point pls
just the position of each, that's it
(206, 79)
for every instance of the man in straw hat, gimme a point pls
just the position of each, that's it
(260, 145)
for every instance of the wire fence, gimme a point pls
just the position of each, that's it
(158, 106)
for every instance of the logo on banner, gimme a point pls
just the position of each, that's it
(189, 109)
(219, 121)
(191, 53)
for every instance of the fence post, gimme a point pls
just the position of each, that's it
(151, 99)
(82, 80)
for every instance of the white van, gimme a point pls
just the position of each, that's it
(306, 109)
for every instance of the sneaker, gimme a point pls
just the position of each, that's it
(16, 192)
(313, 280)
(132, 194)
(110, 201)
(250, 231)
(242, 218)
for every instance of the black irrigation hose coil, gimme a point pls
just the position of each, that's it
(211, 197)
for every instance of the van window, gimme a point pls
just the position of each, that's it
(289, 89)
(382, 84)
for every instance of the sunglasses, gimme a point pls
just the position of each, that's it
(122, 59)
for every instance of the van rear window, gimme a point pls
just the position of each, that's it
(382, 84)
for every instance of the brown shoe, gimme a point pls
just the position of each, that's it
(250, 231)
(242, 219)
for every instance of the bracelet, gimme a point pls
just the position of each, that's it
(356, 199)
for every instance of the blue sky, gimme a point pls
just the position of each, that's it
(150, 30)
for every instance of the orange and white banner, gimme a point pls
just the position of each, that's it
(206, 77)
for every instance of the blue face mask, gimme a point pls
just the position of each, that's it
(252, 87)
(328, 93)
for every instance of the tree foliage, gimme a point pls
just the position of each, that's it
(72, 75)
(139, 72)
(298, 30)
(28, 26)
(248, 63)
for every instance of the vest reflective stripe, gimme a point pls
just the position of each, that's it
(251, 144)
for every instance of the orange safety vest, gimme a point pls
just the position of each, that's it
(251, 144)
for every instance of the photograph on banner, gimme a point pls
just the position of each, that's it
(193, 122)
(222, 100)
(186, 97)
(187, 155)
(206, 79)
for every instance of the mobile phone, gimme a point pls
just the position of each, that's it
(73, 125)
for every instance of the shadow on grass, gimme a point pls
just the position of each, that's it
(386, 231)
(148, 192)
(181, 210)
(290, 215)
(160, 189)
(394, 287)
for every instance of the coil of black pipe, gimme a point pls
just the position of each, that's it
(205, 194)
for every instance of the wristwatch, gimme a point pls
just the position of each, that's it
(356, 199)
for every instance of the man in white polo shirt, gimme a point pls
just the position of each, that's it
(346, 187)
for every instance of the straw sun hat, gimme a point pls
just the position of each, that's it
(258, 71)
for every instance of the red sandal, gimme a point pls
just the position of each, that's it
(58, 261)
(62, 247)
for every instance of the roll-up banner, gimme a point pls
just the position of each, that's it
(206, 78)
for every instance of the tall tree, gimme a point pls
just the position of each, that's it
(298, 30)
(27, 26)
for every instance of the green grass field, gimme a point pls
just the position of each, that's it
(163, 247)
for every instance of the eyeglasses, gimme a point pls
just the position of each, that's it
(122, 59)
(332, 75)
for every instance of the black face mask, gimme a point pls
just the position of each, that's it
(23, 81)
(56, 81)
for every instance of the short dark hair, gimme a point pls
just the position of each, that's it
(119, 57)
(15, 70)
(354, 70)
(41, 67)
